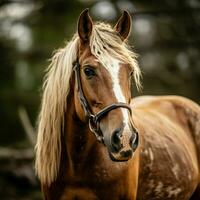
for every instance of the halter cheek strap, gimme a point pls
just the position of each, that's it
(94, 119)
(81, 96)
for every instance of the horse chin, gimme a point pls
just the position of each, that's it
(116, 157)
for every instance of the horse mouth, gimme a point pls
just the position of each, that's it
(122, 156)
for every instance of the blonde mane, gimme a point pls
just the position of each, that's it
(104, 42)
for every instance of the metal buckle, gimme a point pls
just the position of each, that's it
(95, 129)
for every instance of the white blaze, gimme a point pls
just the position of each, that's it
(113, 68)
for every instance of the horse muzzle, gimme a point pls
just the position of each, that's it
(122, 146)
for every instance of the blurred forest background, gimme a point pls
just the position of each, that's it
(166, 35)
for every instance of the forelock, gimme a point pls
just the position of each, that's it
(105, 43)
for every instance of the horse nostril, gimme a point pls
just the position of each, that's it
(134, 141)
(116, 140)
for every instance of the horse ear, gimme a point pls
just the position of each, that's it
(85, 26)
(123, 26)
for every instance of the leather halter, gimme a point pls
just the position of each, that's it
(94, 119)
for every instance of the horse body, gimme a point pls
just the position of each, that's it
(88, 147)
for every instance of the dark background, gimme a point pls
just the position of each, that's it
(166, 35)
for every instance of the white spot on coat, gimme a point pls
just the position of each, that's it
(175, 170)
(159, 188)
(151, 155)
(172, 192)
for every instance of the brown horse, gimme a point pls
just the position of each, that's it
(95, 142)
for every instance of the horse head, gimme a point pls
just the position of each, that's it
(103, 81)
(91, 75)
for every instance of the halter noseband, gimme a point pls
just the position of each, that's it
(94, 119)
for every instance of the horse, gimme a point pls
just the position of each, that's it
(96, 142)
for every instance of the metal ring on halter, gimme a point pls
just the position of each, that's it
(95, 130)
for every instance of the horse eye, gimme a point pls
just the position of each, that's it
(89, 72)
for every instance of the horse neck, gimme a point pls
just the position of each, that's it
(78, 139)
(76, 143)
